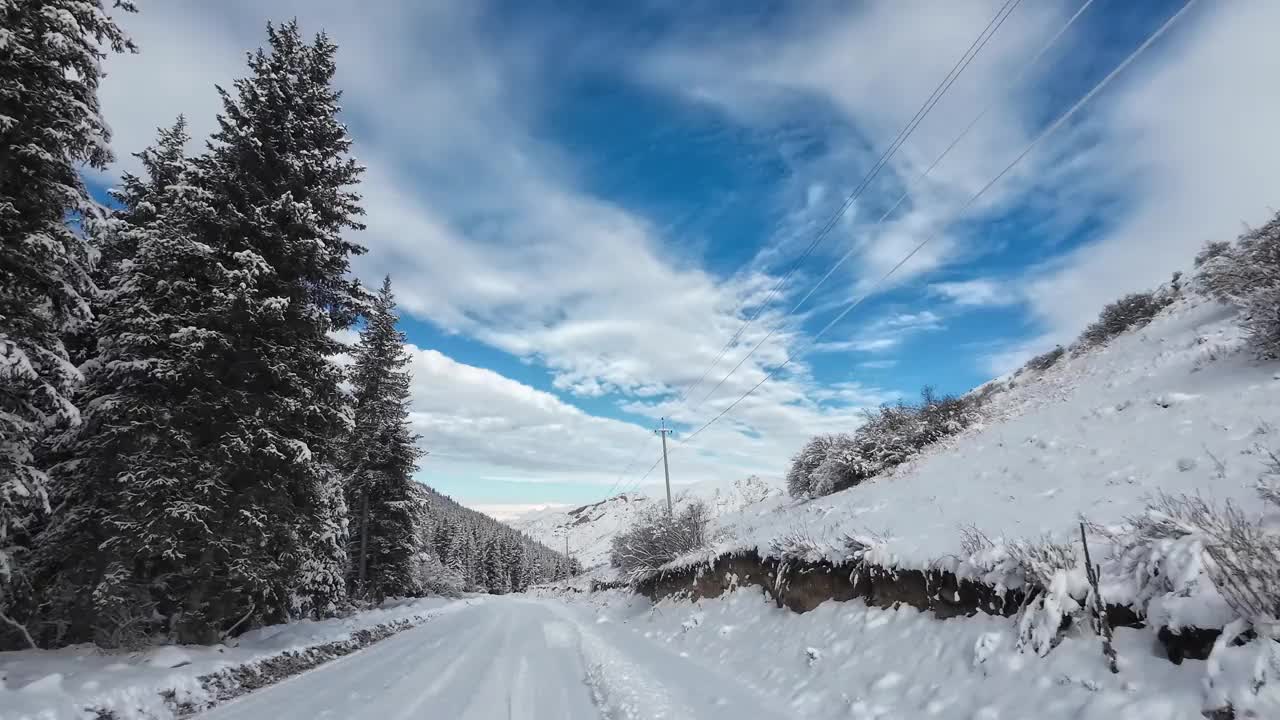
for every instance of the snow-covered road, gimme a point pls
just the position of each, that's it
(507, 657)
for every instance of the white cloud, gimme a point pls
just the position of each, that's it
(488, 233)
(876, 65)
(980, 292)
(887, 333)
(485, 233)
(1169, 157)
(1189, 136)
(477, 423)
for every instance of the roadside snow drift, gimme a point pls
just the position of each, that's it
(82, 680)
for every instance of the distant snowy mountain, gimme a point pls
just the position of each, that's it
(590, 528)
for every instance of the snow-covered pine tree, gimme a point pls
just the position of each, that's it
(50, 65)
(142, 503)
(381, 458)
(516, 560)
(142, 199)
(454, 532)
(278, 186)
(496, 573)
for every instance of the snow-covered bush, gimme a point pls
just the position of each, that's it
(942, 416)
(1055, 569)
(889, 436)
(1131, 311)
(1044, 361)
(1211, 251)
(799, 546)
(1247, 274)
(1158, 560)
(841, 468)
(1246, 565)
(435, 578)
(1193, 562)
(803, 463)
(656, 538)
(1183, 544)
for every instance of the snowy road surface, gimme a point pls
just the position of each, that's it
(507, 657)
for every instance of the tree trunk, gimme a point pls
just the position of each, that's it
(364, 543)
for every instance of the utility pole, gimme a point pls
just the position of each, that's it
(666, 470)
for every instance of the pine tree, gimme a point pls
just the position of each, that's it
(141, 499)
(142, 198)
(50, 66)
(275, 197)
(381, 458)
(496, 574)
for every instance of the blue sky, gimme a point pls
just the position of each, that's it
(580, 203)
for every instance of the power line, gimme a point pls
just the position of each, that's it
(1038, 139)
(634, 456)
(945, 84)
(907, 191)
(980, 42)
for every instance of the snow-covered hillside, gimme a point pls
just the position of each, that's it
(591, 527)
(1177, 407)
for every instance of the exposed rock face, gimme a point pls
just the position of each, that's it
(803, 586)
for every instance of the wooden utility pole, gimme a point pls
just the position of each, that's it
(666, 470)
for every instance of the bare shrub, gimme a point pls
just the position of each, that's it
(1244, 555)
(1247, 275)
(943, 416)
(1131, 311)
(890, 435)
(857, 546)
(656, 538)
(1211, 251)
(1044, 361)
(1269, 482)
(1042, 560)
(973, 541)
(1052, 567)
(1246, 558)
(798, 545)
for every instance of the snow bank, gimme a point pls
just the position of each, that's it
(848, 660)
(81, 681)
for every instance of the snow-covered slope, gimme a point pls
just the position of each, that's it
(1179, 406)
(591, 527)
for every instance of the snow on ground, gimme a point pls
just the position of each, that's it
(1178, 407)
(512, 657)
(69, 682)
(848, 660)
(504, 658)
